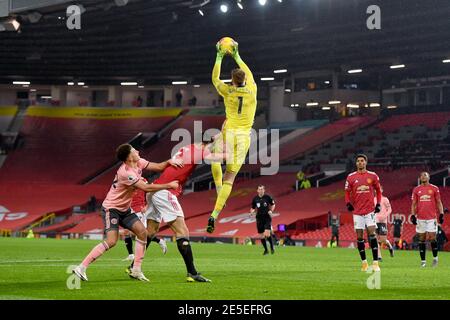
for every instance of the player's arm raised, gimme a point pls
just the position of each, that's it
(248, 73)
(158, 167)
(152, 187)
(220, 86)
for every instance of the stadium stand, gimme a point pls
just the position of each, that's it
(435, 120)
(323, 135)
(54, 141)
(7, 114)
(161, 149)
(305, 212)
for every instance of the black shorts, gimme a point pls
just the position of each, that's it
(397, 234)
(263, 224)
(113, 218)
(382, 229)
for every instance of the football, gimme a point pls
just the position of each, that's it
(226, 45)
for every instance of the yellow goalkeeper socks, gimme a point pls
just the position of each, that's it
(222, 198)
(216, 170)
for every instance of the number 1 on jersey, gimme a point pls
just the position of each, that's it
(241, 101)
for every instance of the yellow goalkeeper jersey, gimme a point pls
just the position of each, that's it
(240, 102)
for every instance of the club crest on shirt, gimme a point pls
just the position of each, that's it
(369, 181)
(131, 178)
(258, 204)
(430, 191)
(114, 221)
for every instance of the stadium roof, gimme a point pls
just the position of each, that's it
(159, 41)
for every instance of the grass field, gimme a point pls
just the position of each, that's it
(36, 269)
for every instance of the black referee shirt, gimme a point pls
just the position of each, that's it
(262, 204)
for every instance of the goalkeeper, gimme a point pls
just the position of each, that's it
(240, 107)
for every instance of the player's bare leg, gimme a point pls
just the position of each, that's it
(423, 249)
(384, 240)
(434, 247)
(227, 185)
(152, 230)
(181, 232)
(111, 239)
(141, 241)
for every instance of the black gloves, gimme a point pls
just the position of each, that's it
(350, 207)
(414, 219)
(441, 218)
(377, 208)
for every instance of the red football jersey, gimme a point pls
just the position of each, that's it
(192, 155)
(426, 197)
(138, 202)
(359, 191)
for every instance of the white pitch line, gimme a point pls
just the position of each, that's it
(45, 260)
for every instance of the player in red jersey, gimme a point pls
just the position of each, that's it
(426, 201)
(138, 206)
(164, 205)
(116, 207)
(359, 198)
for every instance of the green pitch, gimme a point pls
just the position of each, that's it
(36, 269)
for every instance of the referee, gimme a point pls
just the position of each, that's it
(263, 206)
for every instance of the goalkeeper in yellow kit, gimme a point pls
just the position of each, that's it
(240, 107)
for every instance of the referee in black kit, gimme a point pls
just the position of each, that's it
(263, 206)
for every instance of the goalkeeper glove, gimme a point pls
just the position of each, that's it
(414, 219)
(350, 207)
(235, 52)
(220, 54)
(377, 208)
(441, 218)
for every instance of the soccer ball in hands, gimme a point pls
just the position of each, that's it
(226, 45)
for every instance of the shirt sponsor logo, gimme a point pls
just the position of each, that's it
(425, 197)
(363, 188)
